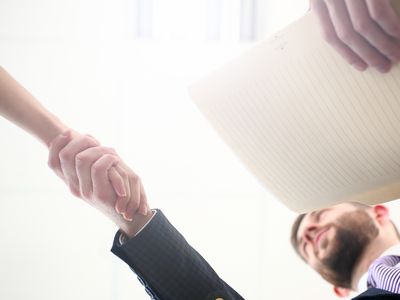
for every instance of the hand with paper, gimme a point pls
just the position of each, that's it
(364, 32)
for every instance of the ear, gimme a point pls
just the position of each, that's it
(341, 292)
(381, 213)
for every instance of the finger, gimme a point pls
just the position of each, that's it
(67, 159)
(384, 14)
(345, 31)
(370, 30)
(100, 180)
(55, 147)
(143, 206)
(133, 205)
(83, 165)
(117, 182)
(330, 36)
(122, 201)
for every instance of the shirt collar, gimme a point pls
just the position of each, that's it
(362, 283)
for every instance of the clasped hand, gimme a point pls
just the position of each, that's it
(98, 175)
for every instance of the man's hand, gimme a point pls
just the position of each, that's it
(365, 32)
(97, 175)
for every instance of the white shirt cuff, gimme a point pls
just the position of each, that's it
(123, 238)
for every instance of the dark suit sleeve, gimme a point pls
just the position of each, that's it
(168, 267)
(377, 294)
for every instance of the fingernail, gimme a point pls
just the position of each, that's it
(121, 191)
(121, 194)
(359, 67)
(128, 219)
(383, 69)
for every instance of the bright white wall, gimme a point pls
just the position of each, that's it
(79, 59)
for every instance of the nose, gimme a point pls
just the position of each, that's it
(310, 233)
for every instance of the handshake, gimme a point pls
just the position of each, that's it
(93, 172)
(97, 175)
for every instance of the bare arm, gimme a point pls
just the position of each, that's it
(21, 108)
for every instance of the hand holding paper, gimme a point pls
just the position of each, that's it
(365, 32)
(313, 130)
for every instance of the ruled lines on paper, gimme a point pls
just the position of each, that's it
(313, 130)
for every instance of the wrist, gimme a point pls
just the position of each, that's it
(132, 228)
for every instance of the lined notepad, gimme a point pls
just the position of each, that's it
(312, 129)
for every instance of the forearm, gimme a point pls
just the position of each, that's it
(21, 108)
(168, 266)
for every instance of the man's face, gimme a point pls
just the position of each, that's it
(332, 240)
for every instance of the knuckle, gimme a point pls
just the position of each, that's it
(363, 26)
(74, 190)
(392, 28)
(97, 169)
(391, 52)
(92, 139)
(65, 155)
(89, 140)
(52, 163)
(80, 159)
(347, 36)
(108, 150)
(377, 12)
(108, 156)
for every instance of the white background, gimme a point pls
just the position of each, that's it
(119, 69)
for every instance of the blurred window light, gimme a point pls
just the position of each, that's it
(248, 20)
(144, 18)
(201, 20)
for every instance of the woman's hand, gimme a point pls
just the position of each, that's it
(97, 175)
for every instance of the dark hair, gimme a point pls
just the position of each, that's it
(295, 229)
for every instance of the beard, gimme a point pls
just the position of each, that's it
(354, 232)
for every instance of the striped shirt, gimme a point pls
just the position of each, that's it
(384, 273)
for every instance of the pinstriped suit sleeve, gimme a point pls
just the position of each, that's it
(168, 267)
